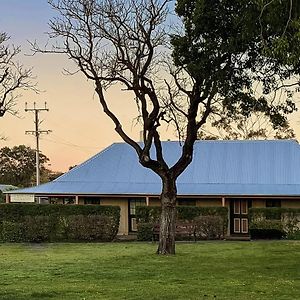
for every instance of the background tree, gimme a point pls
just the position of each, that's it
(223, 49)
(47, 175)
(17, 165)
(257, 62)
(13, 76)
(255, 127)
(2, 197)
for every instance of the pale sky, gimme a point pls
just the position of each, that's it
(79, 127)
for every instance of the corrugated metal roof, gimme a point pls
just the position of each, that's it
(218, 168)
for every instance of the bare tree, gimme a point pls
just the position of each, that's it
(13, 76)
(122, 41)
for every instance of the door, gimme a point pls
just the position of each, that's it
(239, 220)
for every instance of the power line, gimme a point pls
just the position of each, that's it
(37, 132)
(79, 148)
(66, 142)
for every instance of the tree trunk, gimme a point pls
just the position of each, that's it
(168, 218)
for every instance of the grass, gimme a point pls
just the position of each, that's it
(203, 270)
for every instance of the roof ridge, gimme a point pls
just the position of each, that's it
(227, 141)
(252, 141)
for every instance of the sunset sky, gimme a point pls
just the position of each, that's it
(79, 127)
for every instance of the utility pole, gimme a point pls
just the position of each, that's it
(37, 132)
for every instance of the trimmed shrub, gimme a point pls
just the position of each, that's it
(151, 214)
(291, 221)
(266, 229)
(185, 230)
(261, 233)
(58, 222)
(191, 212)
(186, 221)
(37, 229)
(91, 228)
(209, 227)
(294, 235)
(61, 229)
(274, 222)
(2, 197)
(12, 231)
(16, 211)
(148, 214)
(144, 231)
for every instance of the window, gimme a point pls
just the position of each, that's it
(244, 207)
(61, 200)
(186, 202)
(273, 203)
(136, 202)
(237, 207)
(237, 225)
(244, 223)
(44, 200)
(91, 200)
(68, 201)
(133, 203)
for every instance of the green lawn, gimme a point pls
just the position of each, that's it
(203, 270)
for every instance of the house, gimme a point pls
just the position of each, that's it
(6, 187)
(235, 174)
(3, 188)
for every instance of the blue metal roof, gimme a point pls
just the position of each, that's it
(270, 168)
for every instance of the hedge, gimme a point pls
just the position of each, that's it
(150, 214)
(58, 222)
(209, 227)
(2, 197)
(274, 222)
(144, 231)
(207, 222)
